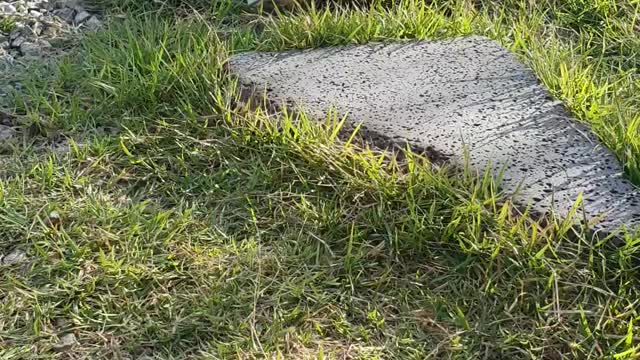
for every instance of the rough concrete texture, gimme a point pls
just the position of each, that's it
(450, 96)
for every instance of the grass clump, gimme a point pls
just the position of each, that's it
(7, 24)
(196, 228)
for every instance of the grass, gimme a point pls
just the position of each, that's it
(193, 228)
(7, 24)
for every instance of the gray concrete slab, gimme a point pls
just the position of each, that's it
(450, 95)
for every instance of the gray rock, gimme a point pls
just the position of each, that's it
(60, 4)
(21, 8)
(33, 30)
(77, 7)
(93, 24)
(34, 49)
(7, 119)
(34, 5)
(16, 32)
(6, 59)
(6, 132)
(49, 19)
(51, 31)
(35, 13)
(67, 341)
(7, 9)
(16, 257)
(446, 97)
(17, 42)
(65, 14)
(81, 16)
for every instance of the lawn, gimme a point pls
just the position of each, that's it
(162, 220)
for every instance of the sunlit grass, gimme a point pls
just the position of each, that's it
(194, 227)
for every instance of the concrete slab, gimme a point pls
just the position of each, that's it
(450, 95)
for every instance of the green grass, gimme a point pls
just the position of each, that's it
(7, 24)
(193, 228)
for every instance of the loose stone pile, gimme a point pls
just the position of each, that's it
(35, 32)
(28, 27)
(32, 35)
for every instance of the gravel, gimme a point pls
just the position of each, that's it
(37, 31)
(45, 20)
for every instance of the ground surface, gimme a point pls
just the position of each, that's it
(146, 216)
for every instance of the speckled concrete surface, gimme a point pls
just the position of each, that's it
(451, 95)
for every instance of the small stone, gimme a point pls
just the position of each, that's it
(66, 342)
(51, 31)
(16, 257)
(53, 220)
(17, 42)
(21, 8)
(35, 13)
(7, 119)
(15, 33)
(34, 49)
(66, 14)
(93, 24)
(7, 9)
(6, 132)
(33, 5)
(6, 59)
(76, 7)
(81, 16)
(33, 30)
(58, 4)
